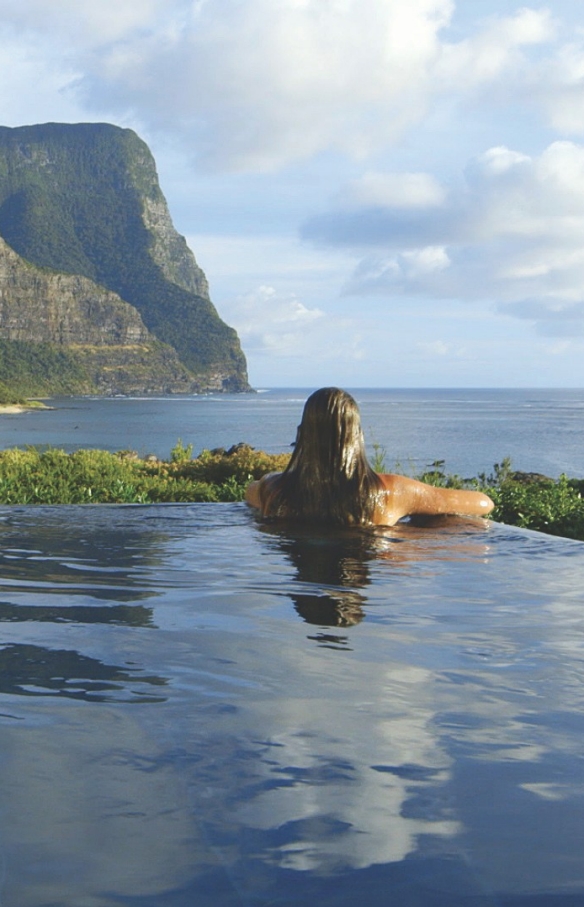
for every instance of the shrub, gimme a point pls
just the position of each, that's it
(51, 476)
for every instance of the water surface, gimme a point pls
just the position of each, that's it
(198, 709)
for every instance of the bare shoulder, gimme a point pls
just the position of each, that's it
(253, 492)
(400, 486)
(396, 499)
(393, 482)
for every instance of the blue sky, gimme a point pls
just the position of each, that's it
(381, 192)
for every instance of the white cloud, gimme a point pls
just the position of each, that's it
(558, 86)
(418, 262)
(269, 322)
(278, 328)
(495, 50)
(92, 24)
(398, 190)
(511, 232)
(258, 85)
(497, 161)
(436, 347)
(34, 80)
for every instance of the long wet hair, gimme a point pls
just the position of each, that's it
(328, 479)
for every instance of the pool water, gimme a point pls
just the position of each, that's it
(199, 709)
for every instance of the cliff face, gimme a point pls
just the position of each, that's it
(106, 336)
(90, 262)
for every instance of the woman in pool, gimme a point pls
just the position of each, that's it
(329, 479)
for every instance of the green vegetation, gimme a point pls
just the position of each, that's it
(555, 507)
(9, 397)
(51, 476)
(76, 199)
(39, 369)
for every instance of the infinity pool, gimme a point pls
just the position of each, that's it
(200, 711)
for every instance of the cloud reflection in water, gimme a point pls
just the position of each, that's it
(427, 749)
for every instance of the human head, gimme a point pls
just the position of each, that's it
(328, 479)
(329, 436)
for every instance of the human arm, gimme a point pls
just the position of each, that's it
(408, 497)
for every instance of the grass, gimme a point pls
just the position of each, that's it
(51, 476)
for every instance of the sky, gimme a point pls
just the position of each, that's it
(382, 193)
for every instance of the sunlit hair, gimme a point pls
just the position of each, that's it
(329, 479)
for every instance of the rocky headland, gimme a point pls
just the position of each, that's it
(98, 291)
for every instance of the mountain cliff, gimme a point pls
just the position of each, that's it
(92, 269)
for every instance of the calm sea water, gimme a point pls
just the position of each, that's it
(541, 430)
(200, 711)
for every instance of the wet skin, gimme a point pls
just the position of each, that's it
(402, 497)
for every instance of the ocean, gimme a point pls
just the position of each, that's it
(541, 430)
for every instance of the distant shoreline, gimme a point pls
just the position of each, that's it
(11, 408)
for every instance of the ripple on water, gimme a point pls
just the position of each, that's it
(332, 718)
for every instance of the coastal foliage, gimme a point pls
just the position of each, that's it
(555, 507)
(52, 476)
